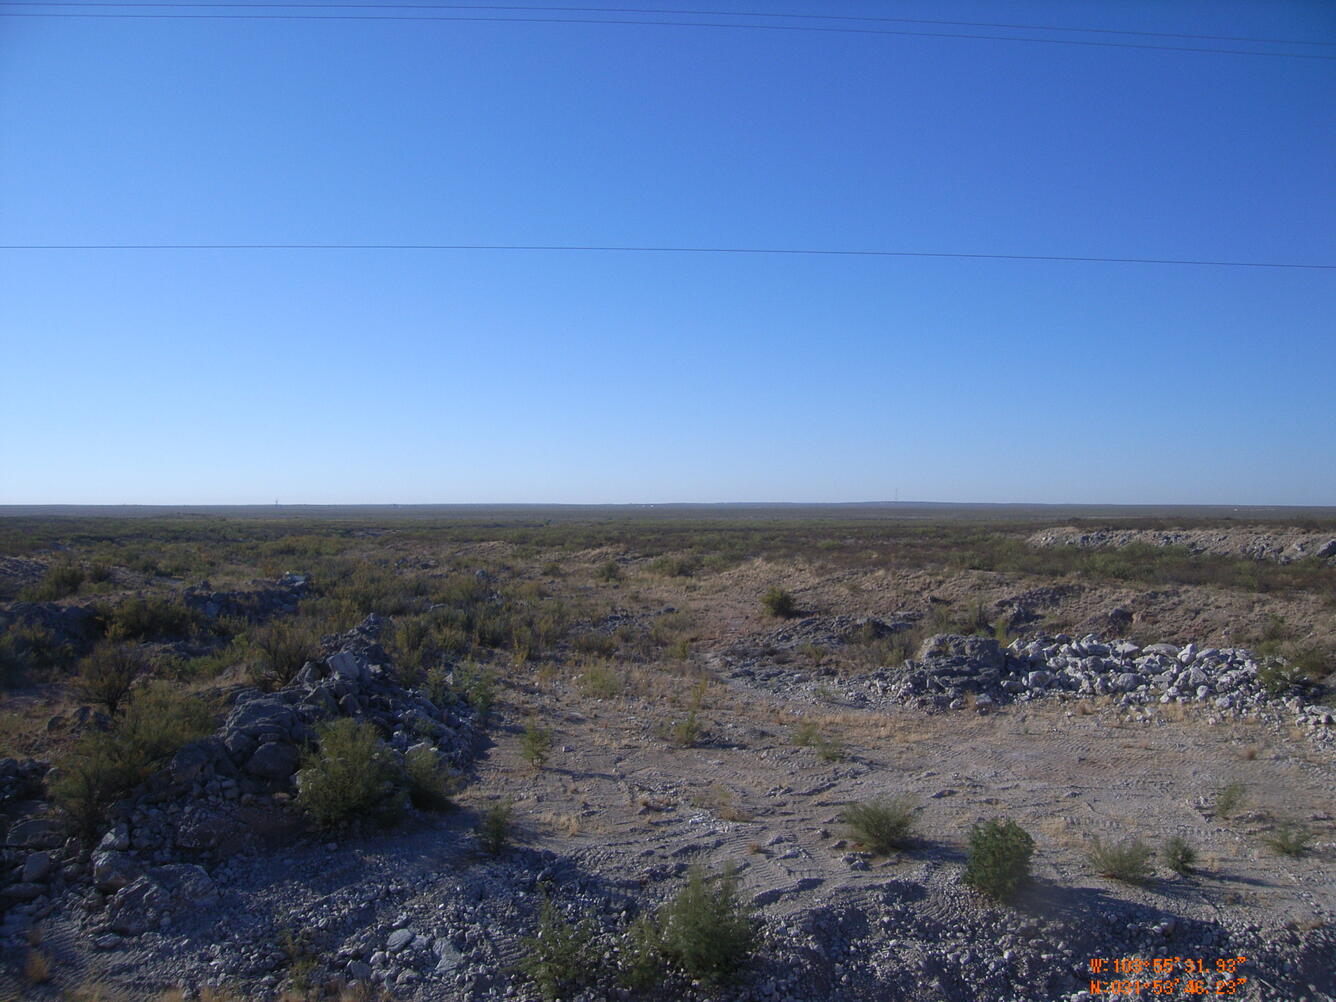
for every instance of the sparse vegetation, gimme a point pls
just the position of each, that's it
(1178, 855)
(282, 649)
(535, 745)
(705, 930)
(106, 675)
(1128, 861)
(562, 956)
(999, 857)
(1288, 838)
(883, 825)
(1229, 798)
(59, 582)
(494, 827)
(779, 603)
(430, 784)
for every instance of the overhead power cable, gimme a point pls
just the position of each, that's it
(664, 24)
(790, 251)
(673, 11)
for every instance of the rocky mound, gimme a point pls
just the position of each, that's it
(1283, 546)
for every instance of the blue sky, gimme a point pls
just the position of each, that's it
(341, 376)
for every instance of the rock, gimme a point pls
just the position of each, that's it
(982, 651)
(106, 941)
(188, 763)
(138, 907)
(117, 839)
(36, 833)
(274, 761)
(22, 892)
(1126, 681)
(399, 939)
(346, 665)
(449, 958)
(358, 971)
(1038, 679)
(113, 870)
(36, 867)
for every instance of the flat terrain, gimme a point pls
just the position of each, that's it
(684, 725)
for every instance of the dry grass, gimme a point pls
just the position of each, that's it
(36, 967)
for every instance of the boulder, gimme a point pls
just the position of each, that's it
(274, 761)
(983, 652)
(37, 866)
(113, 870)
(346, 665)
(36, 833)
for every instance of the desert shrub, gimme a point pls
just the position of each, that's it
(594, 643)
(351, 774)
(101, 767)
(29, 648)
(1127, 861)
(57, 583)
(1178, 855)
(881, 825)
(1288, 839)
(609, 572)
(430, 783)
(687, 731)
(706, 929)
(494, 828)
(599, 680)
(779, 603)
(282, 648)
(679, 566)
(563, 956)
(806, 734)
(535, 744)
(999, 857)
(476, 686)
(1229, 798)
(106, 674)
(152, 618)
(640, 960)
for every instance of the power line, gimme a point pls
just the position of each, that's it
(789, 251)
(685, 13)
(668, 24)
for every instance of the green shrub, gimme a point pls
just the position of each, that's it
(477, 687)
(103, 766)
(562, 957)
(779, 603)
(1288, 839)
(881, 825)
(610, 572)
(430, 783)
(688, 730)
(58, 582)
(30, 648)
(598, 680)
(640, 960)
(1229, 798)
(999, 857)
(282, 649)
(494, 828)
(351, 774)
(806, 734)
(1127, 861)
(106, 674)
(535, 745)
(1178, 855)
(706, 929)
(153, 618)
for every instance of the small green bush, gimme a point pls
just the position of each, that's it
(477, 687)
(688, 730)
(610, 572)
(562, 957)
(282, 649)
(494, 828)
(1178, 855)
(1229, 798)
(1288, 839)
(153, 618)
(429, 782)
(999, 857)
(58, 582)
(1127, 861)
(106, 674)
(350, 775)
(535, 745)
(779, 603)
(28, 648)
(881, 825)
(706, 929)
(102, 767)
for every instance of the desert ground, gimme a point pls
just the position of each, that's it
(621, 753)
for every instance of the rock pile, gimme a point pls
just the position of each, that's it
(953, 670)
(1282, 546)
(217, 796)
(255, 605)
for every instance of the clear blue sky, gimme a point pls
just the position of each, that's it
(340, 376)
